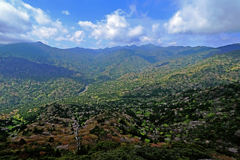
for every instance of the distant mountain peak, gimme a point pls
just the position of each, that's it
(39, 42)
(149, 44)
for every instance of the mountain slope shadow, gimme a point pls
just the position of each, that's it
(14, 67)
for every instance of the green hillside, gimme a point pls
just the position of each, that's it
(119, 63)
(218, 69)
(23, 82)
(41, 53)
(132, 102)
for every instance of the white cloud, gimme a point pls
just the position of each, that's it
(65, 12)
(58, 25)
(61, 38)
(171, 43)
(155, 27)
(159, 41)
(86, 24)
(38, 14)
(205, 16)
(136, 31)
(146, 39)
(44, 41)
(98, 42)
(44, 32)
(77, 37)
(20, 21)
(13, 20)
(115, 28)
(133, 9)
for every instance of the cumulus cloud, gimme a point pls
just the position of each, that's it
(171, 43)
(205, 16)
(136, 31)
(77, 37)
(44, 32)
(155, 27)
(115, 28)
(13, 38)
(20, 21)
(86, 24)
(146, 39)
(65, 12)
(37, 14)
(13, 20)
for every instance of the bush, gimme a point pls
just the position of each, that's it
(106, 145)
(22, 142)
(51, 139)
(37, 130)
(97, 130)
(182, 145)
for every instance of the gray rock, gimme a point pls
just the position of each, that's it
(233, 150)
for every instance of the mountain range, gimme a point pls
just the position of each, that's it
(30, 63)
(139, 102)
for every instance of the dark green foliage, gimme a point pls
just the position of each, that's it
(119, 155)
(57, 153)
(37, 130)
(51, 139)
(152, 153)
(122, 122)
(105, 146)
(22, 142)
(3, 136)
(97, 130)
(184, 98)
(183, 145)
(83, 150)
(31, 153)
(166, 154)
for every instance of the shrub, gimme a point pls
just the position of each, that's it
(106, 145)
(22, 142)
(51, 139)
(37, 130)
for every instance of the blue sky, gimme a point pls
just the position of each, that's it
(108, 23)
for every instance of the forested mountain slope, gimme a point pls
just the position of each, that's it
(183, 106)
(25, 64)
(119, 63)
(56, 70)
(25, 82)
(41, 53)
(193, 124)
(218, 69)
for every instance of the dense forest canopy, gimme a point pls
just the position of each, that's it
(129, 102)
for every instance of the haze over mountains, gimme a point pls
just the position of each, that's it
(119, 80)
(152, 92)
(25, 64)
(94, 62)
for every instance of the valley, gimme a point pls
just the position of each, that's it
(128, 102)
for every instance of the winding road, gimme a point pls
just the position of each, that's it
(86, 87)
